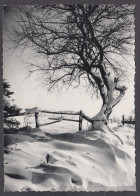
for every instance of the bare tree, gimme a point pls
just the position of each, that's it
(79, 43)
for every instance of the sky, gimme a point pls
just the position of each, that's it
(29, 93)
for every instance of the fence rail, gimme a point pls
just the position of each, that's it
(35, 111)
(64, 119)
(128, 121)
(61, 118)
(60, 112)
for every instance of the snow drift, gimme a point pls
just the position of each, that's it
(81, 161)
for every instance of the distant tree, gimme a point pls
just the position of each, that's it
(8, 108)
(6, 90)
(79, 44)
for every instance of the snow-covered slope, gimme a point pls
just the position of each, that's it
(80, 161)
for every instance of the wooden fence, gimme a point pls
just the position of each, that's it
(128, 121)
(71, 113)
(35, 111)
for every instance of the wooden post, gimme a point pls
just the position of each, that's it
(123, 119)
(80, 121)
(36, 119)
(130, 119)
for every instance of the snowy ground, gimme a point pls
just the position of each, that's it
(78, 161)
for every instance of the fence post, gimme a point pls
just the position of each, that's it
(130, 119)
(123, 119)
(36, 120)
(80, 121)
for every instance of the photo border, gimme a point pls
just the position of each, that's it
(137, 96)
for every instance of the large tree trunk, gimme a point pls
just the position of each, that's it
(108, 102)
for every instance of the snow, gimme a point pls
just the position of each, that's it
(78, 161)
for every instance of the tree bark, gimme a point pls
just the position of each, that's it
(109, 101)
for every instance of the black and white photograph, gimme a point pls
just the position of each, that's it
(69, 97)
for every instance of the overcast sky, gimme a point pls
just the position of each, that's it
(28, 93)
